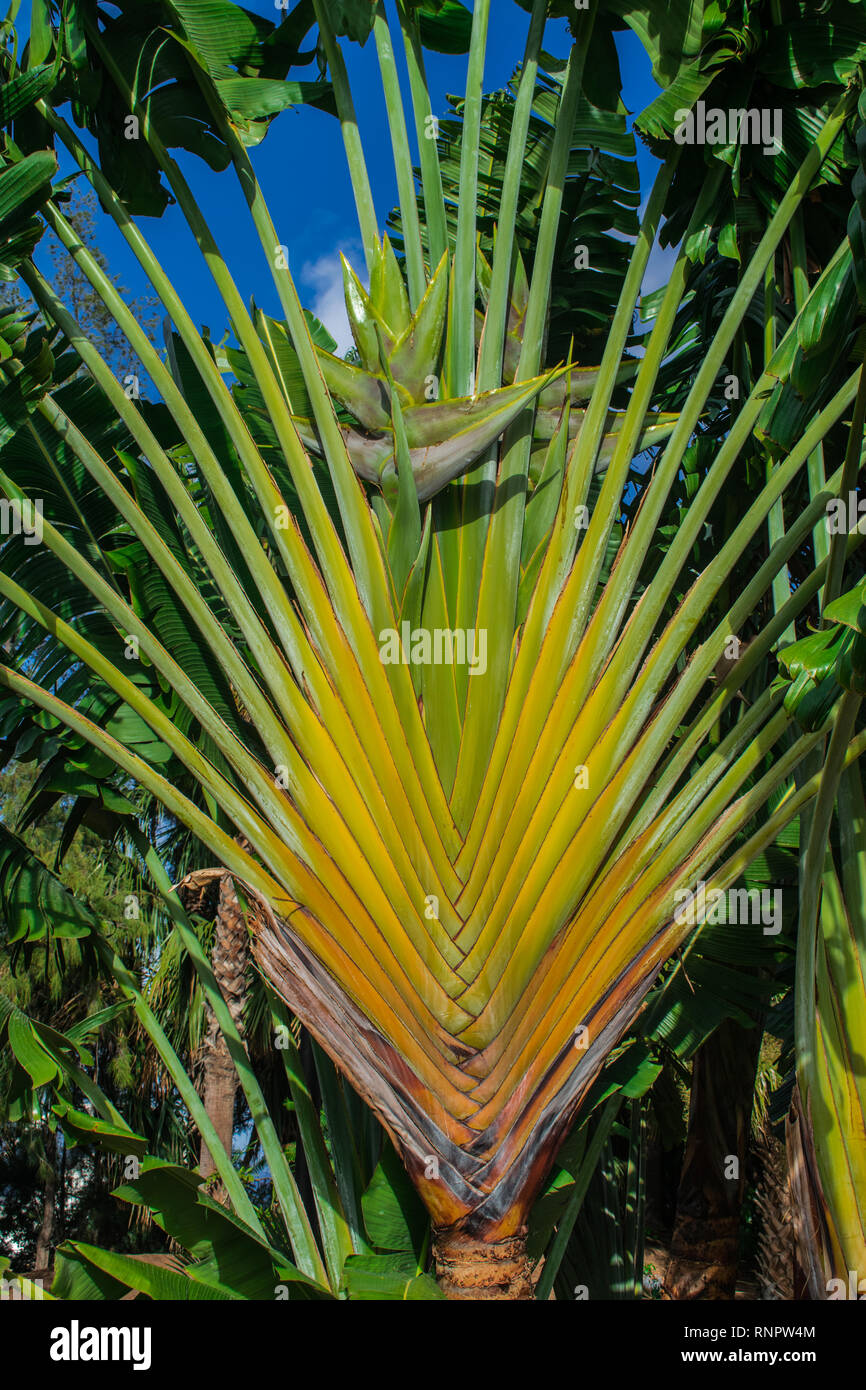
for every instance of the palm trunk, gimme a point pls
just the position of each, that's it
(468, 1267)
(775, 1262)
(705, 1245)
(815, 1257)
(229, 962)
(45, 1237)
(218, 1092)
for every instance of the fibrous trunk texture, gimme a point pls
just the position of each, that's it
(470, 1268)
(813, 1243)
(705, 1245)
(775, 1263)
(229, 963)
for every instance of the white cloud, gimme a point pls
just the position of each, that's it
(323, 278)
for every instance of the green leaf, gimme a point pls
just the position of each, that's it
(389, 1277)
(96, 1021)
(413, 593)
(28, 1049)
(363, 393)
(41, 33)
(404, 536)
(33, 899)
(414, 358)
(24, 180)
(81, 1128)
(393, 1213)
(223, 34)
(226, 1251)
(352, 19)
(850, 668)
(388, 294)
(24, 89)
(256, 98)
(813, 49)
(76, 1280)
(445, 28)
(813, 655)
(849, 609)
(152, 1280)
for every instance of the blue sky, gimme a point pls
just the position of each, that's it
(301, 167)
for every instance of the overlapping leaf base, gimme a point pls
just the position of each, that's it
(477, 1164)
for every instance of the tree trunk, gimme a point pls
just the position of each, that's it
(229, 963)
(775, 1262)
(61, 1194)
(815, 1258)
(705, 1244)
(468, 1267)
(45, 1235)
